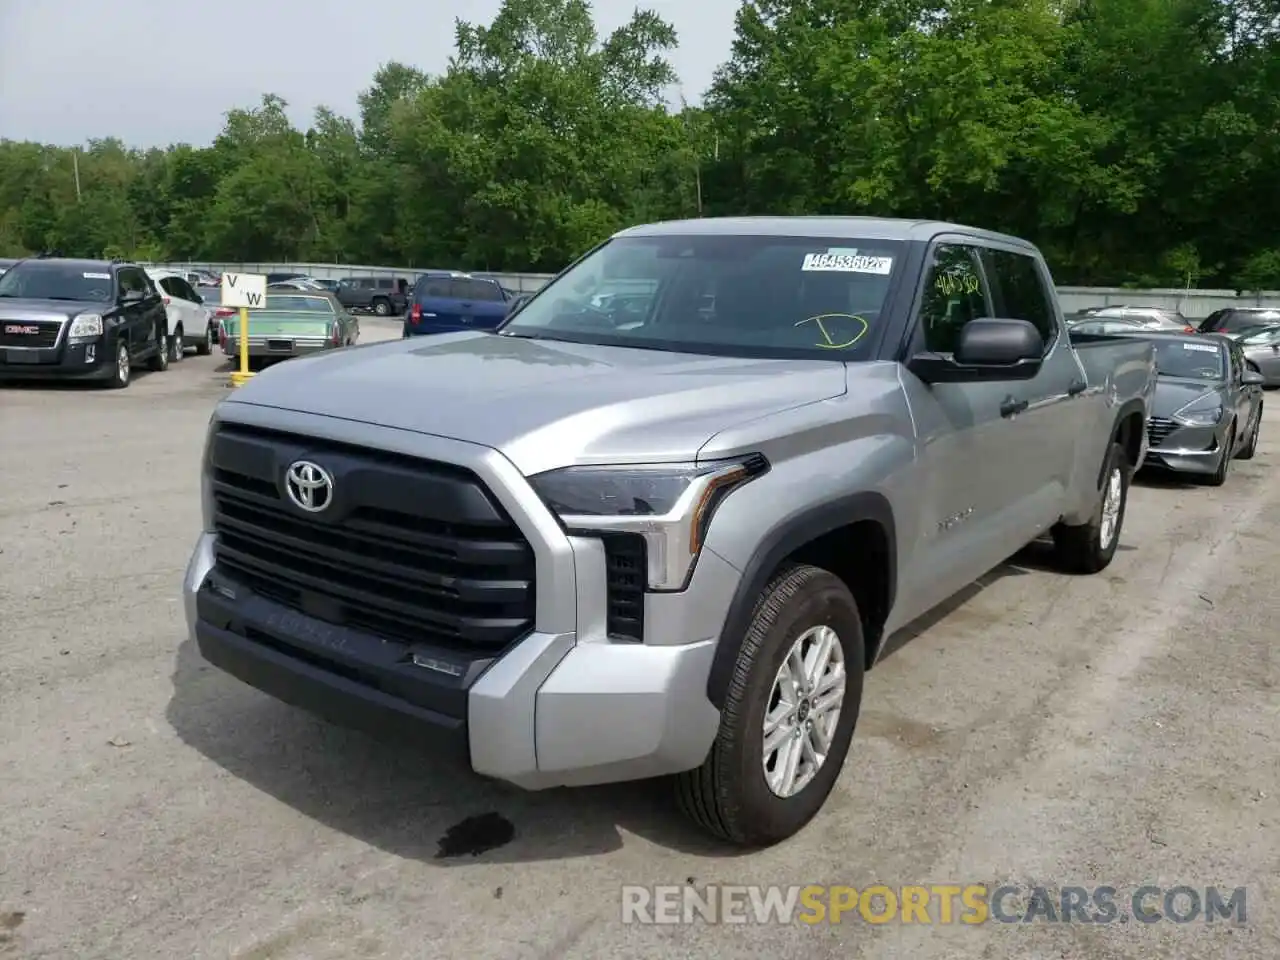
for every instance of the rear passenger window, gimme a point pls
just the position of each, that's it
(482, 290)
(170, 286)
(1018, 290)
(953, 296)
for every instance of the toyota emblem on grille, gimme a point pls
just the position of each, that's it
(309, 485)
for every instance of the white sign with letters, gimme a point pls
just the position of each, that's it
(244, 290)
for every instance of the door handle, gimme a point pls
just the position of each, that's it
(1077, 387)
(1011, 407)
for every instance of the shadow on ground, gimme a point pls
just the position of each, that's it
(402, 800)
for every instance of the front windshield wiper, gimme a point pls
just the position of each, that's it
(525, 336)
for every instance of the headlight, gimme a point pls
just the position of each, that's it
(86, 326)
(1200, 414)
(670, 505)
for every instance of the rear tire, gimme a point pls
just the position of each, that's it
(803, 608)
(177, 350)
(1089, 547)
(382, 307)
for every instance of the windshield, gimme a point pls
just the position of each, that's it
(299, 304)
(1264, 336)
(1191, 359)
(762, 296)
(1233, 321)
(48, 280)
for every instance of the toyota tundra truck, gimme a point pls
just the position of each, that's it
(602, 544)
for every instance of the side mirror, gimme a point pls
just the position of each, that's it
(1252, 378)
(986, 351)
(516, 304)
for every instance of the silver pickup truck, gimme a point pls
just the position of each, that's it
(663, 534)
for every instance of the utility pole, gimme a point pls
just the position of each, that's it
(75, 165)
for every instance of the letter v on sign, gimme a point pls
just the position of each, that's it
(244, 290)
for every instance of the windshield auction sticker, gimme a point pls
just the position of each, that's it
(847, 263)
(1200, 347)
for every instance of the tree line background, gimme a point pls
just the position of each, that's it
(1136, 141)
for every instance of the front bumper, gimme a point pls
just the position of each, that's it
(278, 347)
(71, 361)
(564, 706)
(1186, 449)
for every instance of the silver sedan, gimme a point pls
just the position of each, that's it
(1261, 349)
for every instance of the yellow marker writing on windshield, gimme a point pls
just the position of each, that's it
(829, 342)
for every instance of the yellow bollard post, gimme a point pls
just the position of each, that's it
(242, 376)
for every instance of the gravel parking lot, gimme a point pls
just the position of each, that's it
(1113, 730)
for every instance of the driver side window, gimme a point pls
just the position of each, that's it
(134, 281)
(954, 294)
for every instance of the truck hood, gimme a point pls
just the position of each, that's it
(544, 403)
(46, 311)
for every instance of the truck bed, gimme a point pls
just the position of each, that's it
(1123, 360)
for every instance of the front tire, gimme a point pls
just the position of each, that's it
(1251, 445)
(382, 308)
(788, 716)
(122, 373)
(205, 347)
(1089, 547)
(1219, 476)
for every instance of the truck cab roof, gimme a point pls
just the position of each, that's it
(878, 228)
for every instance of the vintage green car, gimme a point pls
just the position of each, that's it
(291, 325)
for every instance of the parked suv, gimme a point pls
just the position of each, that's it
(80, 320)
(615, 540)
(189, 323)
(445, 301)
(385, 296)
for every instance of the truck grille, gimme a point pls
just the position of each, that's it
(415, 551)
(46, 337)
(1158, 430)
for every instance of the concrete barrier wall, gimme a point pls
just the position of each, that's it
(1195, 304)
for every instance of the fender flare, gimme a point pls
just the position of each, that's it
(776, 547)
(1127, 409)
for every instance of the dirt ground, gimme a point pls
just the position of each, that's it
(1116, 730)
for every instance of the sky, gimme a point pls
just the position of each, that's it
(154, 72)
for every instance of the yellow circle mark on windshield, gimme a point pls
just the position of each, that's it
(829, 341)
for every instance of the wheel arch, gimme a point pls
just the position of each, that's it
(1128, 431)
(853, 537)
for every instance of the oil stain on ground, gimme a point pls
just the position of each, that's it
(476, 835)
